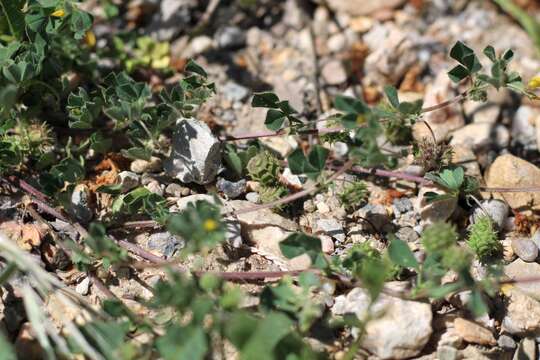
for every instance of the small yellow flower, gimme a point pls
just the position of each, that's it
(210, 225)
(505, 289)
(59, 13)
(360, 119)
(90, 39)
(534, 83)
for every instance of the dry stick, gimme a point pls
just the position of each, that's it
(292, 197)
(159, 262)
(236, 276)
(458, 98)
(95, 280)
(264, 134)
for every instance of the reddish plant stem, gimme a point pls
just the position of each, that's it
(446, 103)
(30, 189)
(101, 286)
(264, 134)
(139, 251)
(295, 196)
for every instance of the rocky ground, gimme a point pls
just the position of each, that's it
(309, 52)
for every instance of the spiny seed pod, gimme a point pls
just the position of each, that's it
(264, 168)
(271, 193)
(457, 258)
(438, 237)
(353, 195)
(432, 156)
(483, 238)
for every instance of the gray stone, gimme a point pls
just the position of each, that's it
(234, 92)
(175, 190)
(523, 130)
(252, 197)
(526, 350)
(83, 287)
(376, 214)
(331, 227)
(522, 313)
(497, 210)
(233, 232)
(140, 166)
(362, 7)
(402, 205)
(525, 249)
(437, 210)
(399, 328)
(230, 37)
(201, 44)
(407, 233)
(173, 15)
(154, 187)
(447, 353)
(506, 342)
(231, 189)
(79, 206)
(536, 238)
(334, 73)
(265, 230)
(520, 269)
(129, 180)
(196, 153)
(165, 243)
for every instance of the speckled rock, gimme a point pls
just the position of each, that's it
(511, 171)
(401, 330)
(525, 249)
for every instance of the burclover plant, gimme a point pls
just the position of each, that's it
(193, 314)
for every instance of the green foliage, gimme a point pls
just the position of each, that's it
(483, 239)
(398, 116)
(454, 182)
(102, 248)
(141, 201)
(366, 127)
(297, 302)
(278, 111)
(299, 243)
(400, 254)
(469, 64)
(264, 168)
(142, 52)
(311, 165)
(353, 195)
(439, 237)
(499, 77)
(201, 224)
(237, 161)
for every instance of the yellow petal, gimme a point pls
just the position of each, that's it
(161, 63)
(210, 225)
(90, 39)
(360, 119)
(505, 289)
(59, 13)
(534, 83)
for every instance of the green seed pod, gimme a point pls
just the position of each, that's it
(271, 193)
(483, 238)
(264, 168)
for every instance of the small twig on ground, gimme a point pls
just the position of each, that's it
(295, 196)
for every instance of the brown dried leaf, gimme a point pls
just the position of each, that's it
(27, 236)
